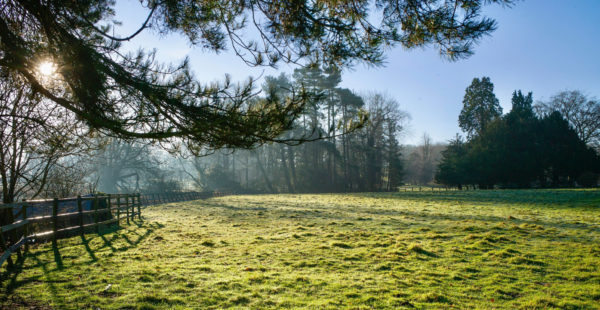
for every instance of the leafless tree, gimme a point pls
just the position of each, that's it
(34, 137)
(582, 112)
(125, 166)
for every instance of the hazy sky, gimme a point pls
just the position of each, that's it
(543, 46)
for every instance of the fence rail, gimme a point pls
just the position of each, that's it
(425, 188)
(31, 218)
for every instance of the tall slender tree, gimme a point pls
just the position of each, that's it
(480, 107)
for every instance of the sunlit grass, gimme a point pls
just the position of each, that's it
(486, 249)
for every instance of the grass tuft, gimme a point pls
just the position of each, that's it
(208, 243)
(341, 245)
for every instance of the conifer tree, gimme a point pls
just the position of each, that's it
(480, 107)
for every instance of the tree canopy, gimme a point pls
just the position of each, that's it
(480, 106)
(582, 113)
(130, 95)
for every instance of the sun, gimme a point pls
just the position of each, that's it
(46, 68)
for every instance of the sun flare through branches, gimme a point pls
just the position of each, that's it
(46, 68)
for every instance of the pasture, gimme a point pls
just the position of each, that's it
(528, 249)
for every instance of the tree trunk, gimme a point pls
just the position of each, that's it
(264, 173)
(286, 173)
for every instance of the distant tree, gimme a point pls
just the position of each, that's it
(486, 155)
(422, 160)
(522, 106)
(350, 106)
(452, 168)
(582, 113)
(380, 141)
(426, 164)
(215, 173)
(480, 107)
(69, 178)
(565, 155)
(130, 95)
(520, 150)
(395, 166)
(125, 166)
(520, 143)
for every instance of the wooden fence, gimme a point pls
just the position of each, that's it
(150, 199)
(43, 219)
(431, 189)
(40, 220)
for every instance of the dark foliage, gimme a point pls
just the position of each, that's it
(520, 150)
(480, 107)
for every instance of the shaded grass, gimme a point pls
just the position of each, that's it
(530, 249)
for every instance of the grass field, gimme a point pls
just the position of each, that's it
(505, 249)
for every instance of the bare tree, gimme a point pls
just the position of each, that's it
(583, 113)
(422, 161)
(69, 177)
(34, 137)
(386, 123)
(124, 166)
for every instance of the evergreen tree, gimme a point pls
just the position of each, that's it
(522, 106)
(480, 107)
(581, 111)
(521, 157)
(451, 169)
(520, 150)
(565, 155)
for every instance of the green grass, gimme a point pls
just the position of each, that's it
(525, 249)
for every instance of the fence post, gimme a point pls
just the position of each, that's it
(109, 203)
(118, 210)
(54, 220)
(127, 207)
(26, 227)
(139, 206)
(4, 247)
(80, 210)
(132, 206)
(95, 207)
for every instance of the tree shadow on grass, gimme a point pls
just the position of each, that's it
(57, 257)
(10, 279)
(86, 244)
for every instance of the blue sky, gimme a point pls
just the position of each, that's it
(543, 46)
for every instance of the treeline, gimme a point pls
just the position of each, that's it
(531, 146)
(332, 146)
(350, 153)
